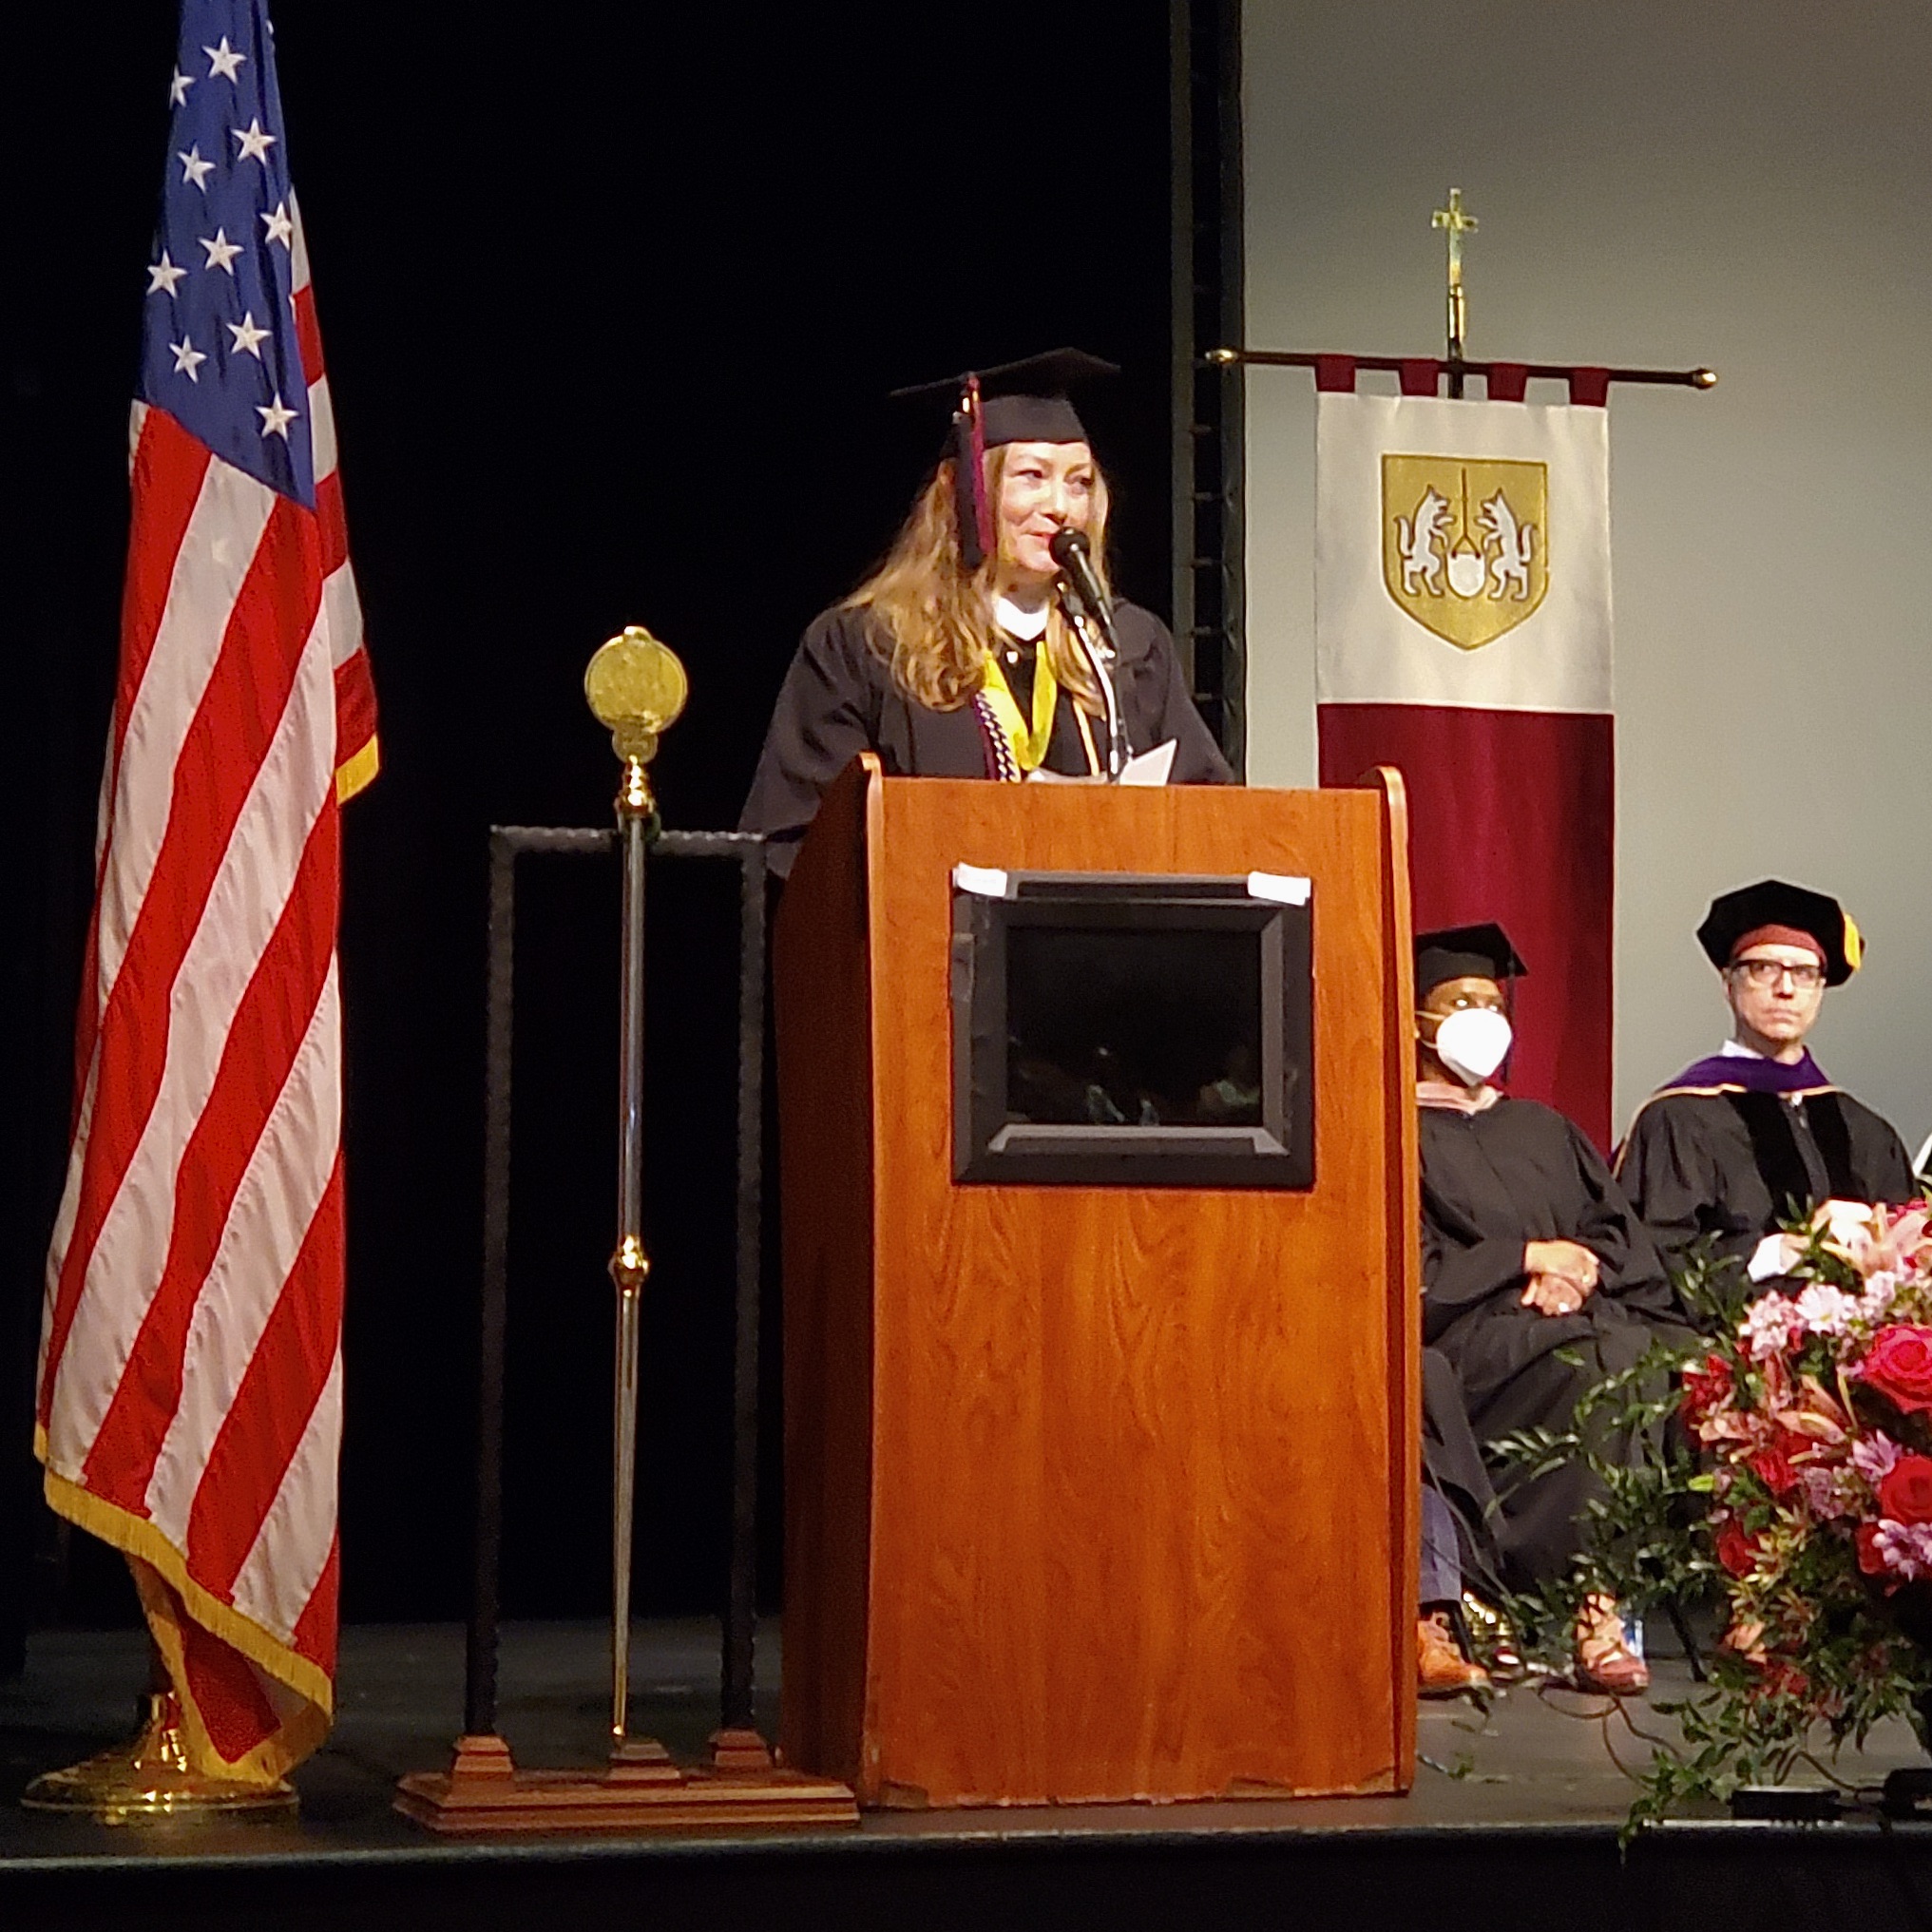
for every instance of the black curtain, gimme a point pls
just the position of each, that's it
(612, 299)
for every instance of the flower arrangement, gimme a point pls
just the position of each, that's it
(1795, 1482)
(1814, 1410)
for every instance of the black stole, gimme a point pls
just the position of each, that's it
(1774, 1148)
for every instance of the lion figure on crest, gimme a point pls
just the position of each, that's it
(1516, 544)
(1418, 537)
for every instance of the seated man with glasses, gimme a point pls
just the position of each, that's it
(1757, 1133)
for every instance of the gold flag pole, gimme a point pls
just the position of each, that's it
(1456, 221)
(152, 1780)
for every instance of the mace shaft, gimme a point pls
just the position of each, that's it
(628, 1264)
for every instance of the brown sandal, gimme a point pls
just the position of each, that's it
(1604, 1660)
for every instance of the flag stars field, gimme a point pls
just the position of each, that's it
(255, 143)
(225, 61)
(248, 338)
(237, 305)
(221, 252)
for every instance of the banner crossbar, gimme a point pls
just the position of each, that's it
(1455, 368)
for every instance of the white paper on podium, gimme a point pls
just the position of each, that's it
(1150, 768)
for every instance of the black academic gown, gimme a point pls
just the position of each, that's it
(1514, 1173)
(839, 698)
(1734, 1166)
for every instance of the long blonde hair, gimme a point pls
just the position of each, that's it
(937, 615)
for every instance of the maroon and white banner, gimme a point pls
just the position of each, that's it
(1462, 634)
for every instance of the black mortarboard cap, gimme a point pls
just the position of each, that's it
(1773, 902)
(1023, 402)
(1012, 402)
(1459, 952)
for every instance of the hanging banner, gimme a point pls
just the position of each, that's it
(1462, 635)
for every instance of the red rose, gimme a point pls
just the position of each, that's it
(1706, 1388)
(1869, 1559)
(1772, 1468)
(1899, 1366)
(1736, 1547)
(1905, 1494)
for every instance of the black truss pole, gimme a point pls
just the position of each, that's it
(747, 849)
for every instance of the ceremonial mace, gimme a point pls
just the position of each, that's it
(637, 688)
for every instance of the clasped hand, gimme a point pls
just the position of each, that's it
(1562, 1277)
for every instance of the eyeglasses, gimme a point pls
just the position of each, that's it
(1766, 972)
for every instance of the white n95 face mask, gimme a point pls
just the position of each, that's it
(1472, 1042)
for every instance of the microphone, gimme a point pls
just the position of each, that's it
(1088, 607)
(1069, 549)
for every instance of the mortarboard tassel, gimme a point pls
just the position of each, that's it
(975, 513)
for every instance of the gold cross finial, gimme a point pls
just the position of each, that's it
(1458, 222)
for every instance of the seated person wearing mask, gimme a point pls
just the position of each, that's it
(1538, 1280)
(1757, 1133)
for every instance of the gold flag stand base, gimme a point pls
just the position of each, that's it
(148, 1780)
(738, 1788)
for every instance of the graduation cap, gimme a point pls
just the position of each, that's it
(1775, 914)
(1464, 952)
(1011, 402)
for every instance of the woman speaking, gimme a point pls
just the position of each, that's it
(961, 656)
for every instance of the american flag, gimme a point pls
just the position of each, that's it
(190, 1383)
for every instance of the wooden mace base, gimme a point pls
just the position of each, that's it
(738, 1788)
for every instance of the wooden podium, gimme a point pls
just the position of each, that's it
(1091, 1493)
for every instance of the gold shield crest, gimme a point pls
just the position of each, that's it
(1465, 543)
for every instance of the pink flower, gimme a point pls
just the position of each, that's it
(1905, 1547)
(1771, 1326)
(1828, 1493)
(1874, 1456)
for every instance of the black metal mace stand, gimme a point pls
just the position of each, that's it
(747, 851)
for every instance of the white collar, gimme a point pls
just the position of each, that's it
(1024, 625)
(1736, 1049)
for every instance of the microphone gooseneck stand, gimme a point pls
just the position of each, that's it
(1086, 608)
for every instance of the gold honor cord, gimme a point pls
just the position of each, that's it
(1029, 747)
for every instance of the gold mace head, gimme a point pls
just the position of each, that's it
(637, 688)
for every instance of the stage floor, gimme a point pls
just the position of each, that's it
(1521, 1803)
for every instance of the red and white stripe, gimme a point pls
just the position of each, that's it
(190, 1404)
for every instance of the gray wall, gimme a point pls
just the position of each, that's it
(1740, 184)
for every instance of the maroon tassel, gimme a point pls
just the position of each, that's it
(969, 489)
